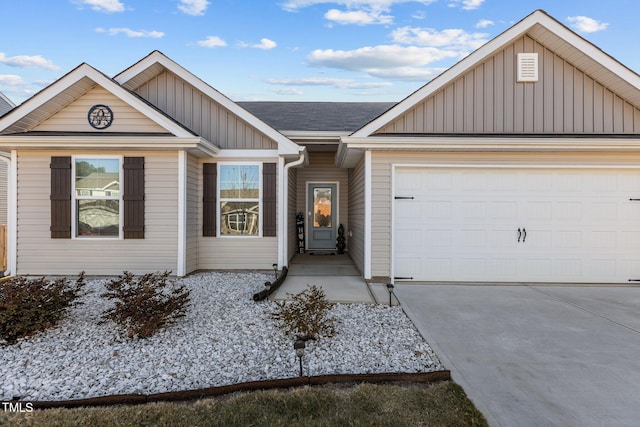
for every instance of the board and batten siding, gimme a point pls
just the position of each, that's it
(356, 215)
(235, 253)
(487, 99)
(321, 168)
(73, 117)
(38, 254)
(381, 187)
(201, 114)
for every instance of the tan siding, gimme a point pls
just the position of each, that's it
(381, 184)
(193, 230)
(73, 118)
(321, 168)
(39, 254)
(356, 215)
(292, 234)
(487, 99)
(235, 253)
(4, 191)
(201, 114)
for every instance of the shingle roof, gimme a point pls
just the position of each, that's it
(316, 116)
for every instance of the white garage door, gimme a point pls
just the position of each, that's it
(516, 225)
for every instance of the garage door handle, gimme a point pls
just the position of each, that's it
(524, 231)
(519, 235)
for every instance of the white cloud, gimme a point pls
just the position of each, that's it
(212, 41)
(484, 23)
(358, 17)
(328, 81)
(292, 5)
(373, 59)
(131, 33)
(193, 7)
(289, 91)
(11, 80)
(25, 61)
(265, 44)
(452, 38)
(106, 6)
(585, 24)
(466, 4)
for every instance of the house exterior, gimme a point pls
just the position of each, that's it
(521, 163)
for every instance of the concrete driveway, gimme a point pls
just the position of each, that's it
(537, 355)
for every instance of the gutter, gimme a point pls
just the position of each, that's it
(284, 191)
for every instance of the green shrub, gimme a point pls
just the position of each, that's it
(145, 304)
(28, 306)
(305, 316)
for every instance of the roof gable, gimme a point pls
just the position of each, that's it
(232, 124)
(581, 89)
(73, 86)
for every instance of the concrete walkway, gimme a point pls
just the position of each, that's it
(336, 274)
(537, 355)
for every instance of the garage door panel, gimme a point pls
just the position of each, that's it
(580, 225)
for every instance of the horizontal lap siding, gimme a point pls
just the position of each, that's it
(39, 254)
(292, 233)
(356, 214)
(381, 175)
(234, 253)
(193, 231)
(487, 99)
(74, 116)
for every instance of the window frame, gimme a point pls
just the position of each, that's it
(75, 197)
(221, 200)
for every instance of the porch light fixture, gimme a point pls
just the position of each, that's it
(390, 289)
(299, 346)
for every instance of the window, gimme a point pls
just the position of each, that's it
(239, 186)
(97, 196)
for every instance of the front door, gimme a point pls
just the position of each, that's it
(321, 216)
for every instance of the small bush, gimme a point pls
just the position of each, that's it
(305, 316)
(28, 306)
(145, 304)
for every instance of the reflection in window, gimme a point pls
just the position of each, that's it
(97, 195)
(322, 207)
(239, 200)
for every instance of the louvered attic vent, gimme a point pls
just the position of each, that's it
(527, 67)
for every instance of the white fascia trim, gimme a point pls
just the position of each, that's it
(507, 143)
(12, 238)
(537, 17)
(182, 214)
(247, 154)
(109, 142)
(285, 145)
(367, 215)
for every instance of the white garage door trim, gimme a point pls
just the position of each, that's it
(517, 167)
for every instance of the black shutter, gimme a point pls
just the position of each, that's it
(210, 199)
(60, 197)
(133, 197)
(269, 203)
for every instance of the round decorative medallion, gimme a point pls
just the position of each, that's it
(100, 116)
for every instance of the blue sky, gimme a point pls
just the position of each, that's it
(284, 50)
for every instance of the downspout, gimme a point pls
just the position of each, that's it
(285, 203)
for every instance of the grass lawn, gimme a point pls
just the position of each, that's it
(438, 404)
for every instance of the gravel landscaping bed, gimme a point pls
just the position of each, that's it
(225, 338)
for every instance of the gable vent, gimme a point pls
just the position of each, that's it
(527, 67)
